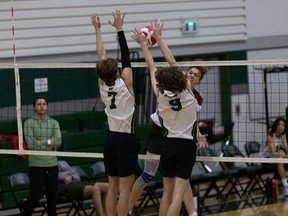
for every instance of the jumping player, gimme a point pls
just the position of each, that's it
(121, 146)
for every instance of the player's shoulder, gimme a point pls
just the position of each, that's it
(198, 97)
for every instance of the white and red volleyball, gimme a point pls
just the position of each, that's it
(148, 31)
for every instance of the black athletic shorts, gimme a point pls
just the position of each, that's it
(155, 140)
(177, 158)
(73, 191)
(121, 154)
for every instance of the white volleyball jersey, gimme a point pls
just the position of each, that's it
(277, 141)
(119, 106)
(155, 117)
(178, 114)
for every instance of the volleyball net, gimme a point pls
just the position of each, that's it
(241, 99)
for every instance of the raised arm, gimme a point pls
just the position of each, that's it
(99, 42)
(141, 39)
(101, 53)
(157, 34)
(126, 74)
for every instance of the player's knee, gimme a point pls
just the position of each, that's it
(144, 179)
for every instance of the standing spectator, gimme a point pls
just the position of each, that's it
(175, 102)
(42, 133)
(121, 146)
(277, 145)
(70, 186)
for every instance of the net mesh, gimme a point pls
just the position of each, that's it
(241, 99)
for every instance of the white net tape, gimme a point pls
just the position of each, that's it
(158, 64)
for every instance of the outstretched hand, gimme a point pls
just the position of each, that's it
(95, 21)
(118, 20)
(157, 29)
(138, 36)
(202, 142)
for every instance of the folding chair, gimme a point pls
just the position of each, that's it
(98, 170)
(213, 173)
(77, 206)
(253, 148)
(19, 184)
(247, 169)
(83, 175)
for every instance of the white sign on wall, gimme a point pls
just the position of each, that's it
(41, 85)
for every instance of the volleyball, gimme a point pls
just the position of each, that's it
(148, 31)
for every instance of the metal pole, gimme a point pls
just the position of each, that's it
(266, 99)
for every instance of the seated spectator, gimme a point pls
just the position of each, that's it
(277, 145)
(71, 187)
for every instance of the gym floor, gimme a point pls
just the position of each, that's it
(234, 205)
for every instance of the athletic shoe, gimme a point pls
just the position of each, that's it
(129, 213)
(194, 214)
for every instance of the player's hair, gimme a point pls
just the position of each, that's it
(203, 69)
(107, 69)
(171, 79)
(39, 97)
(276, 122)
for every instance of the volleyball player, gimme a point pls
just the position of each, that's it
(175, 102)
(195, 74)
(121, 146)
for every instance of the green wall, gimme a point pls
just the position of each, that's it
(63, 84)
(229, 76)
(238, 74)
(7, 88)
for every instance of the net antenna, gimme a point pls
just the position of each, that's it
(17, 83)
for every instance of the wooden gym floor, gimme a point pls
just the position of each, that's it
(234, 206)
(249, 207)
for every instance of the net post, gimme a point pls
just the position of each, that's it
(18, 108)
